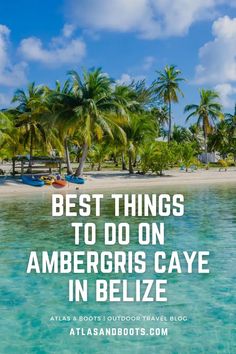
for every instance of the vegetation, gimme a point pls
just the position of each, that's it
(91, 119)
(208, 111)
(167, 88)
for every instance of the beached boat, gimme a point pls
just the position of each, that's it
(48, 180)
(59, 183)
(32, 181)
(75, 179)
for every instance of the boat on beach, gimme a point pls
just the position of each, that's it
(75, 179)
(55, 181)
(48, 180)
(59, 183)
(32, 181)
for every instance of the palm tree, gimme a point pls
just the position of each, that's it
(5, 126)
(167, 88)
(135, 101)
(141, 128)
(181, 134)
(98, 153)
(96, 112)
(62, 102)
(195, 131)
(208, 111)
(129, 99)
(11, 143)
(28, 114)
(219, 140)
(231, 121)
(161, 114)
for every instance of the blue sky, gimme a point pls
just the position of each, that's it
(130, 39)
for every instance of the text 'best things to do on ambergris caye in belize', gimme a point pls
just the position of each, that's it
(113, 261)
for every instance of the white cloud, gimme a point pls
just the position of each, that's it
(61, 50)
(148, 63)
(127, 79)
(218, 57)
(68, 30)
(11, 74)
(227, 94)
(178, 16)
(120, 15)
(138, 72)
(149, 18)
(224, 27)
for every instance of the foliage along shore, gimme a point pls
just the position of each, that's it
(90, 118)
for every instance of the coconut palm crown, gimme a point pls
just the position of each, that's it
(208, 112)
(167, 87)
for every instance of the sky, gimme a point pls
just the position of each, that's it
(41, 40)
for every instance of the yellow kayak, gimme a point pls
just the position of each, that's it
(48, 180)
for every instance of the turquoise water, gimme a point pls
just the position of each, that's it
(207, 300)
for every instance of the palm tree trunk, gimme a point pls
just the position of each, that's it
(67, 156)
(170, 121)
(124, 168)
(99, 166)
(131, 170)
(205, 145)
(115, 160)
(31, 152)
(80, 169)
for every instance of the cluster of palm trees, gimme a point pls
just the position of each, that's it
(92, 118)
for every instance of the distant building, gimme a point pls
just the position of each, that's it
(209, 157)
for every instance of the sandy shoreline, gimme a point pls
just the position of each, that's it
(123, 181)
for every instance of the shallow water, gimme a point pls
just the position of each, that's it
(208, 300)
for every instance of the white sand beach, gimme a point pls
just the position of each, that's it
(110, 180)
